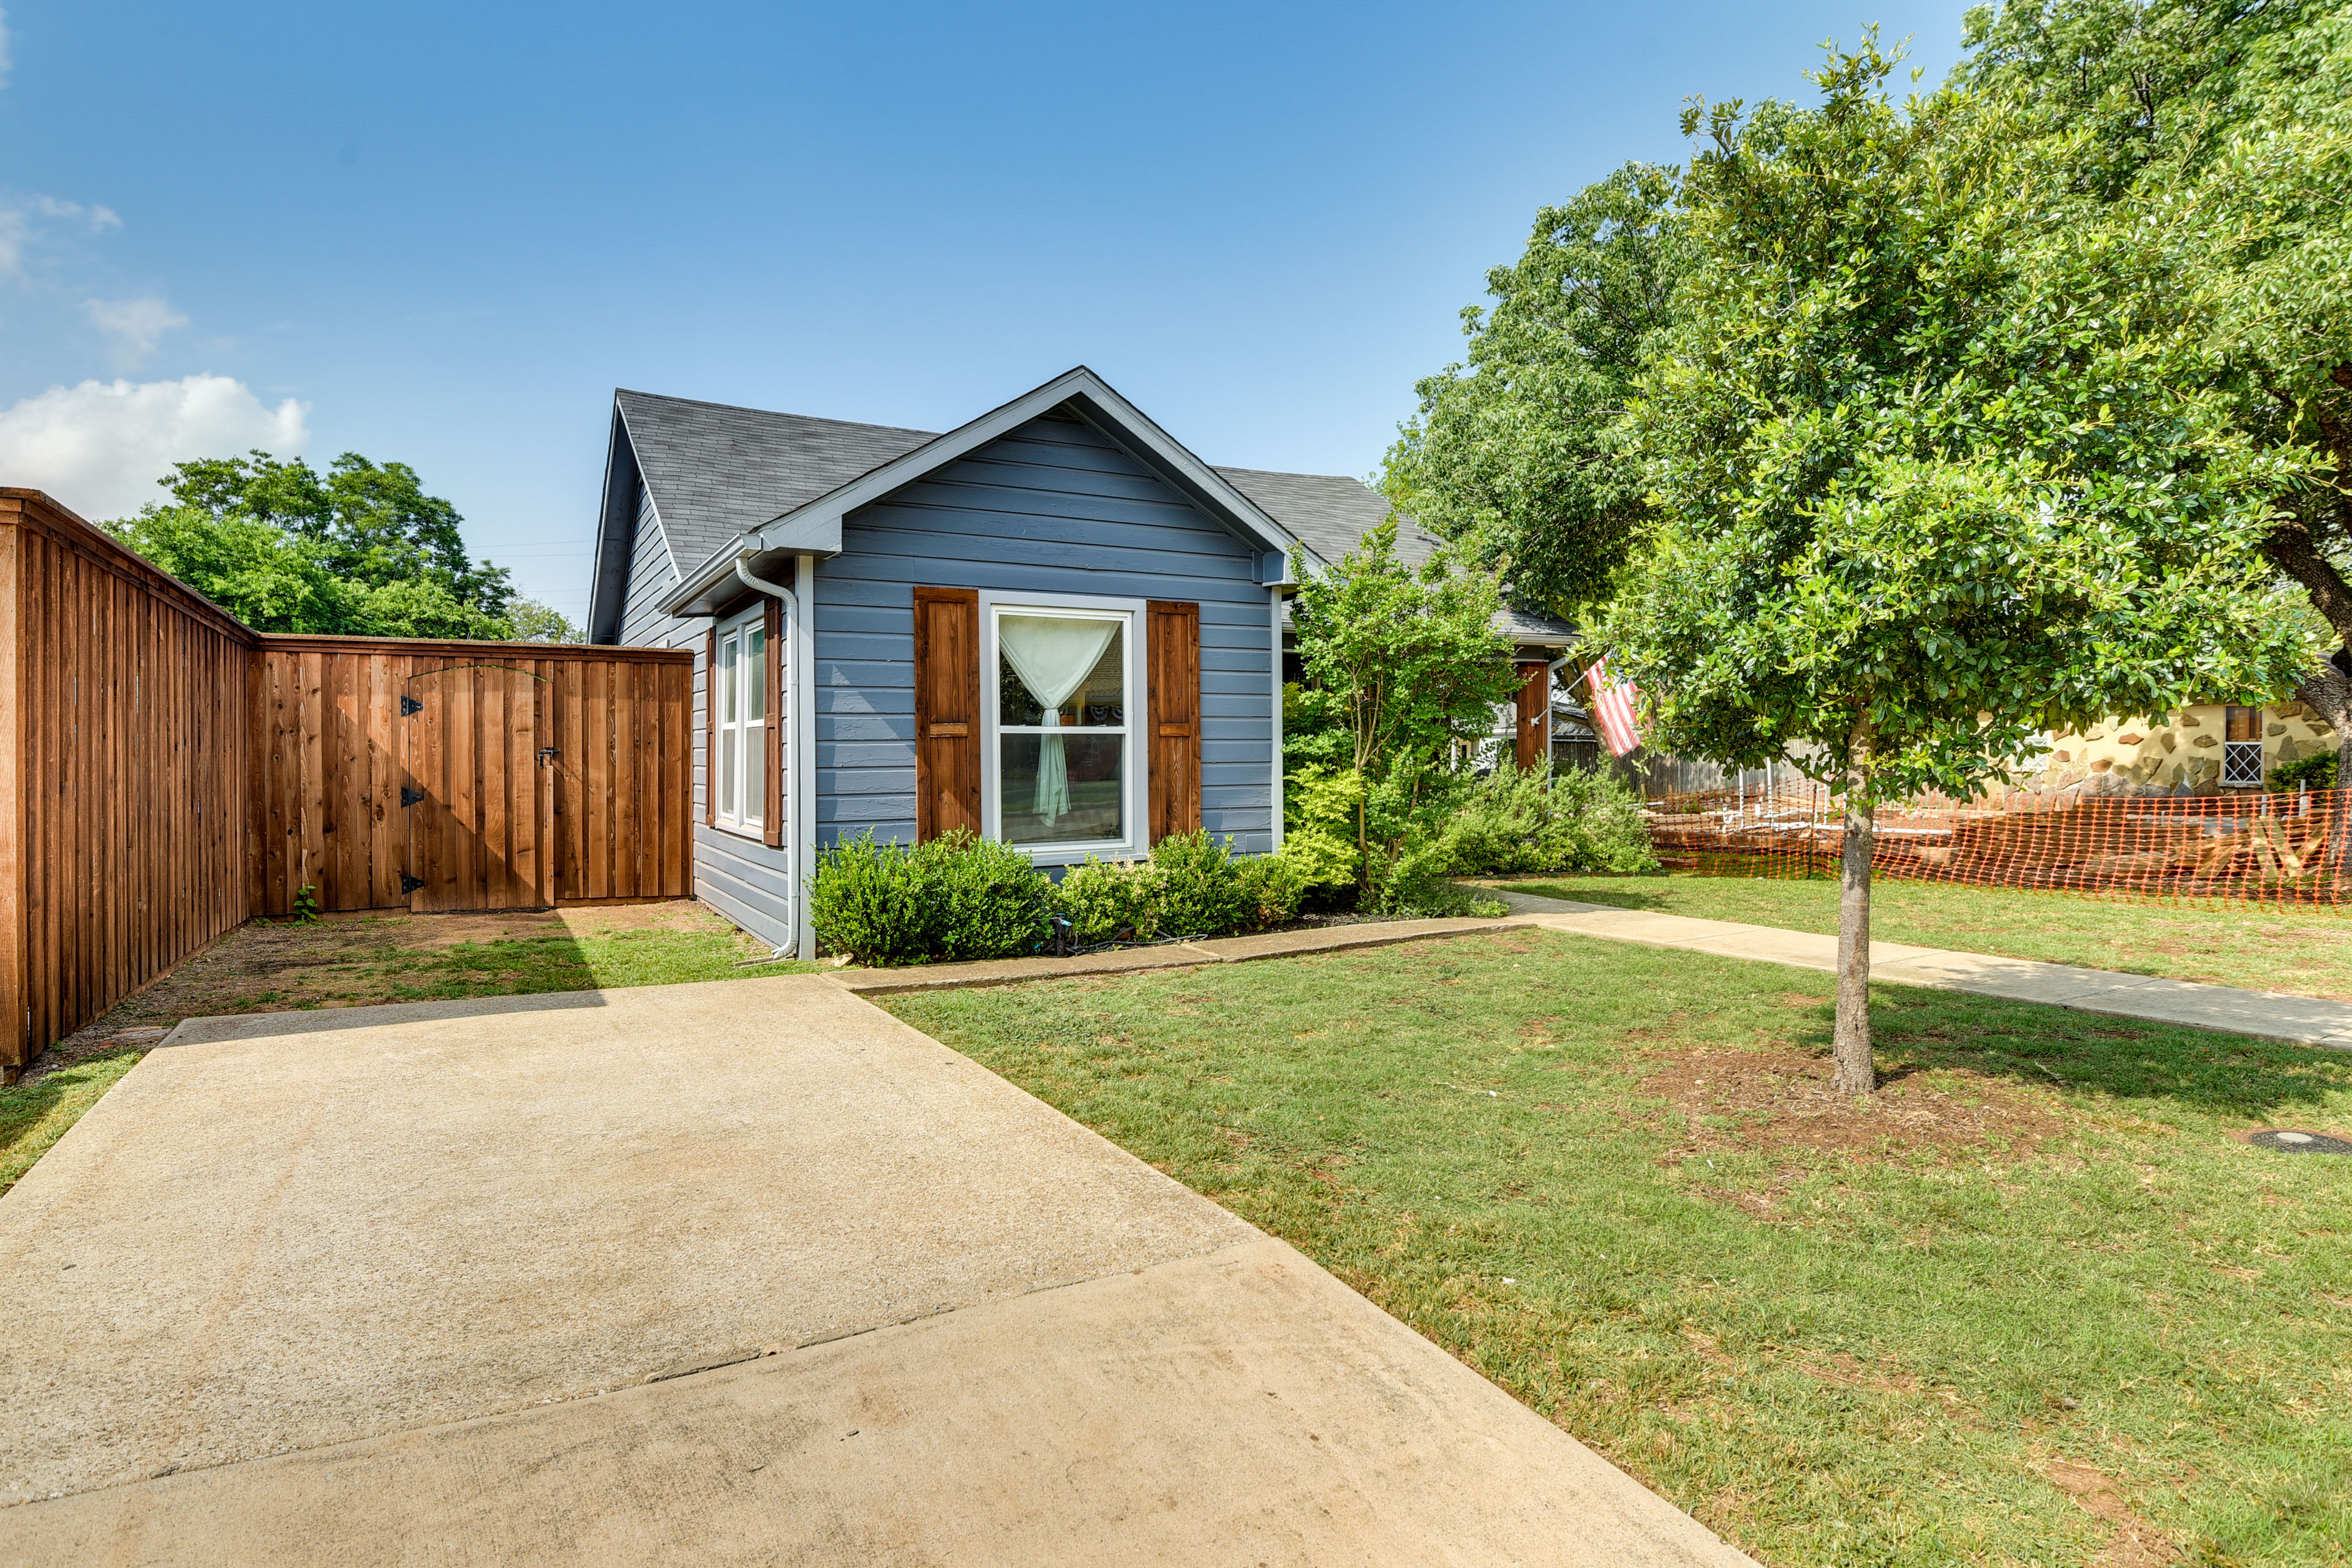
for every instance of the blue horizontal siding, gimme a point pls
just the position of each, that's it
(1052, 508)
(745, 881)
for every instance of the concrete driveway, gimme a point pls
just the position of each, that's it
(741, 1272)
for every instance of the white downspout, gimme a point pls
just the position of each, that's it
(1275, 634)
(802, 636)
(792, 691)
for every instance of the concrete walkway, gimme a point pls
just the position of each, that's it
(2263, 1015)
(737, 1272)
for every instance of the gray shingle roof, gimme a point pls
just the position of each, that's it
(1330, 513)
(716, 471)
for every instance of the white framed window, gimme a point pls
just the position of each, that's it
(1062, 776)
(739, 721)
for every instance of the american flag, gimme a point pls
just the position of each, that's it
(1612, 709)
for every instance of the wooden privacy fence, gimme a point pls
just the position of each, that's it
(167, 773)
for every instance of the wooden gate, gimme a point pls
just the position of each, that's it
(479, 752)
(403, 774)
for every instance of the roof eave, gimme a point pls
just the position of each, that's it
(608, 586)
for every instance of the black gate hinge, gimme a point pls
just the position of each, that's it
(411, 795)
(409, 884)
(409, 705)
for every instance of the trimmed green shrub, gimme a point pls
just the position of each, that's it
(2316, 770)
(1272, 886)
(1193, 885)
(991, 901)
(958, 897)
(1105, 900)
(1539, 820)
(1197, 886)
(866, 900)
(961, 897)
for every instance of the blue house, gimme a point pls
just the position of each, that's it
(1053, 625)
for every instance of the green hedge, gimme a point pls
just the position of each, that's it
(2316, 770)
(1420, 827)
(961, 897)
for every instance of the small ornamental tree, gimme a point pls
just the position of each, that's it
(1926, 486)
(1399, 663)
(1401, 666)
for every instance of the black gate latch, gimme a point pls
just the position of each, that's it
(409, 884)
(410, 794)
(409, 705)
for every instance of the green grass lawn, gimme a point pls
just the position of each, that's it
(2032, 1302)
(35, 1115)
(2305, 951)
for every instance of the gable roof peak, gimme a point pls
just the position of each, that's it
(814, 526)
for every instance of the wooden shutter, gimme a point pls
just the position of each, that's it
(1172, 728)
(947, 711)
(1535, 716)
(711, 725)
(771, 804)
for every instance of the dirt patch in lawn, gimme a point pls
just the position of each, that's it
(2136, 1543)
(1731, 1097)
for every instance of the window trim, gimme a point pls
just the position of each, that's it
(734, 630)
(1133, 761)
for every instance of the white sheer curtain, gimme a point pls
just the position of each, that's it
(1052, 654)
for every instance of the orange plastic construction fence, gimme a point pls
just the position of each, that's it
(2275, 848)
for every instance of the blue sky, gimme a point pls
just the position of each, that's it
(445, 233)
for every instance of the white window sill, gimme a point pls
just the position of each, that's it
(1075, 854)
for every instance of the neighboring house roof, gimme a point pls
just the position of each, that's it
(724, 479)
(1330, 513)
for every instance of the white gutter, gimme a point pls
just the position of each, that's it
(799, 761)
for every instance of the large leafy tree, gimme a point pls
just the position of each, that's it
(1517, 455)
(1925, 485)
(2230, 124)
(371, 522)
(359, 551)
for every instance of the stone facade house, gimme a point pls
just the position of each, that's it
(2206, 749)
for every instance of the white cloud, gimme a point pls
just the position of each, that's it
(99, 446)
(101, 216)
(134, 327)
(19, 229)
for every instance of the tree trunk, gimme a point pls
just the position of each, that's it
(2329, 693)
(1856, 1073)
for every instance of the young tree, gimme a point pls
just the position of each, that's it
(1519, 457)
(1400, 667)
(2230, 124)
(1403, 664)
(1925, 485)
